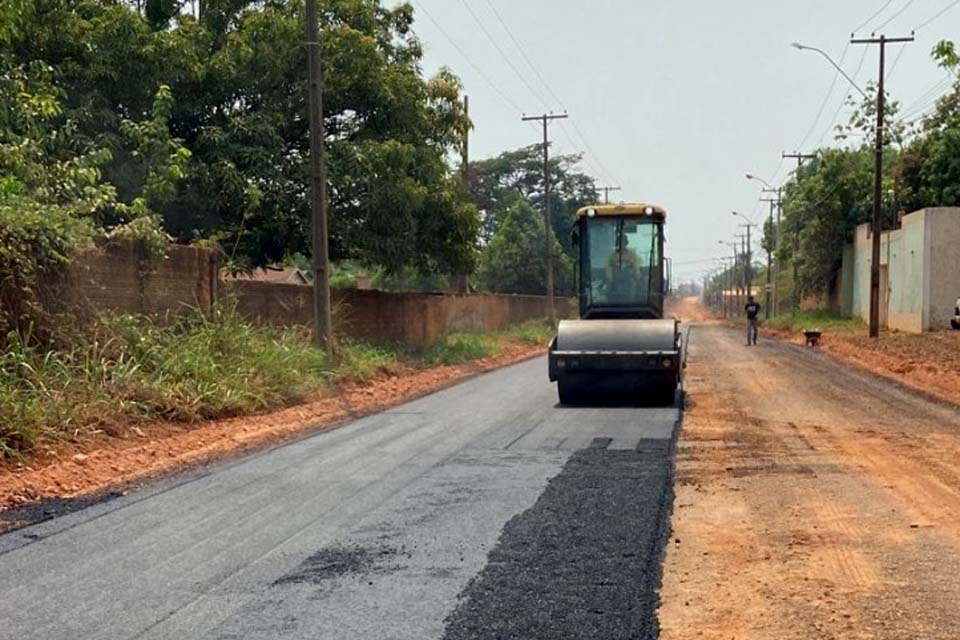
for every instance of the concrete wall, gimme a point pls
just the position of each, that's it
(118, 277)
(379, 316)
(920, 271)
(944, 265)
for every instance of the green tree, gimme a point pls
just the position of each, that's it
(238, 75)
(498, 183)
(513, 260)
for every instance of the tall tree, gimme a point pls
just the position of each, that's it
(236, 76)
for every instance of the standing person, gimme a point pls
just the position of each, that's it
(753, 314)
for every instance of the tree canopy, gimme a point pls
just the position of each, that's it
(228, 87)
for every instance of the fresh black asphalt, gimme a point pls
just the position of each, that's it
(584, 561)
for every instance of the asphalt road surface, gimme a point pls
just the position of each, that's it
(482, 511)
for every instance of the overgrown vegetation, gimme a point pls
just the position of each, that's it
(814, 319)
(129, 369)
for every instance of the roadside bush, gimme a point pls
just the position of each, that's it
(360, 361)
(533, 331)
(129, 369)
(456, 348)
(814, 319)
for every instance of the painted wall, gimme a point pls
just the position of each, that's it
(944, 260)
(922, 261)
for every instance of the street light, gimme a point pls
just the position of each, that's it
(750, 176)
(752, 224)
(803, 47)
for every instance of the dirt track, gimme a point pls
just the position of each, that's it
(812, 501)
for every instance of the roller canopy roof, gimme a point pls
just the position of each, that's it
(623, 209)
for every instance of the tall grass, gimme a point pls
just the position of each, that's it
(127, 369)
(459, 347)
(815, 319)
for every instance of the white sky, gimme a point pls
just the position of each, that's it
(677, 100)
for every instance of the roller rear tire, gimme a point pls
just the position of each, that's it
(569, 392)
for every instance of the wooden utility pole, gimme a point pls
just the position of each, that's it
(606, 193)
(547, 230)
(466, 143)
(876, 227)
(322, 321)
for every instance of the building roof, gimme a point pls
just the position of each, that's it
(286, 275)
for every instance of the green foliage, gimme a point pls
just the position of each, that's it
(832, 195)
(814, 319)
(513, 261)
(497, 184)
(130, 369)
(360, 361)
(456, 348)
(227, 160)
(533, 331)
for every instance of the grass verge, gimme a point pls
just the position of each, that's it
(127, 370)
(814, 319)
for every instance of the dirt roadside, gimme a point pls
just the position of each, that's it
(74, 469)
(813, 500)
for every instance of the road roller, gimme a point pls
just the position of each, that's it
(621, 346)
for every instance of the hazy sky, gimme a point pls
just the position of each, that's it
(678, 100)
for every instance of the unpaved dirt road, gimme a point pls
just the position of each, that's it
(481, 511)
(812, 501)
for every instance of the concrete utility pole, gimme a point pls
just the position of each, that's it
(771, 289)
(322, 321)
(876, 227)
(545, 119)
(606, 193)
(748, 258)
(743, 259)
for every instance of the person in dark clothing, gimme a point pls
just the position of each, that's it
(752, 309)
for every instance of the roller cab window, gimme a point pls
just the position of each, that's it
(620, 264)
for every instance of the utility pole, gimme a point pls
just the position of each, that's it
(606, 193)
(883, 41)
(465, 152)
(545, 120)
(322, 321)
(799, 157)
(771, 287)
(748, 264)
(458, 281)
(743, 259)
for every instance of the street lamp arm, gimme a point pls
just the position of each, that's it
(802, 47)
(750, 176)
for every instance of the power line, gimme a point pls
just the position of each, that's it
(469, 61)
(606, 174)
(843, 102)
(895, 15)
(937, 15)
(894, 65)
(877, 13)
(503, 55)
(523, 53)
(826, 98)
(586, 144)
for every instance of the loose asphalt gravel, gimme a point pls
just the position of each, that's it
(482, 511)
